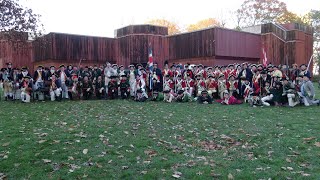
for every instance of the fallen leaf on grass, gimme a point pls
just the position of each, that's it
(150, 152)
(73, 167)
(99, 165)
(85, 151)
(56, 141)
(309, 138)
(125, 167)
(42, 141)
(230, 176)
(143, 172)
(305, 174)
(6, 144)
(288, 160)
(177, 174)
(317, 144)
(43, 135)
(290, 168)
(46, 161)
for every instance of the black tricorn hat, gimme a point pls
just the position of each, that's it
(204, 92)
(166, 91)
(180, 92)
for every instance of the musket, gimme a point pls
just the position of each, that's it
(174, 78)
(79, 67)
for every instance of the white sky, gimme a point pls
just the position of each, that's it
(102, 17)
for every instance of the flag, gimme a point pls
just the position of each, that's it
(264, 58)
(309, 62)
(150, 62)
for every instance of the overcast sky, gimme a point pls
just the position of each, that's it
(102, 17)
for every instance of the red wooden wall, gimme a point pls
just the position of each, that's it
(18, 53)
(213, 46)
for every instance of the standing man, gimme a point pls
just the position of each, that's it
(107, 74)
(64, 77)
(245, 74)
(132, 79)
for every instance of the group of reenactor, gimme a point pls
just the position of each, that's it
(231, 84)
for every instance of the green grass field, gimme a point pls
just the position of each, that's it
(155, 140)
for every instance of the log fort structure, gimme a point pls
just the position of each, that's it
(284, 44)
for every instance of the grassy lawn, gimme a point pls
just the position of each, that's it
(129, 140)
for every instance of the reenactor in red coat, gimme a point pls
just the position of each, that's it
(210, 72)
(190, 85)
(200, 84)
(200, 71)
(212, 85)
(180, 84)
(221, 85)
(168, 83)
(232, 85)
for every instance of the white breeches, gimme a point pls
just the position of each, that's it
(55, 93)
(132, 88)
(64, 91)
(291, 101)
(211, 91)
(25, 97)
(266, 98)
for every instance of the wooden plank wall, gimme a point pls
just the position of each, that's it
(74, 47)
(192, 45)
(134, 49)
(142, 29)
(18, 53)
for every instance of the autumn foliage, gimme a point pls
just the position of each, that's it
(173, 27)
(206, 23)
(253, 12)
(16, 18)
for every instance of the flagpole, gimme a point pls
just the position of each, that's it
(309, 62)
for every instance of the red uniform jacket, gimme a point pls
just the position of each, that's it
(232, 85)
(189, 83)
(232, 100)
(167, 71)
(181, 84)
(168, 83)
(212, 84)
